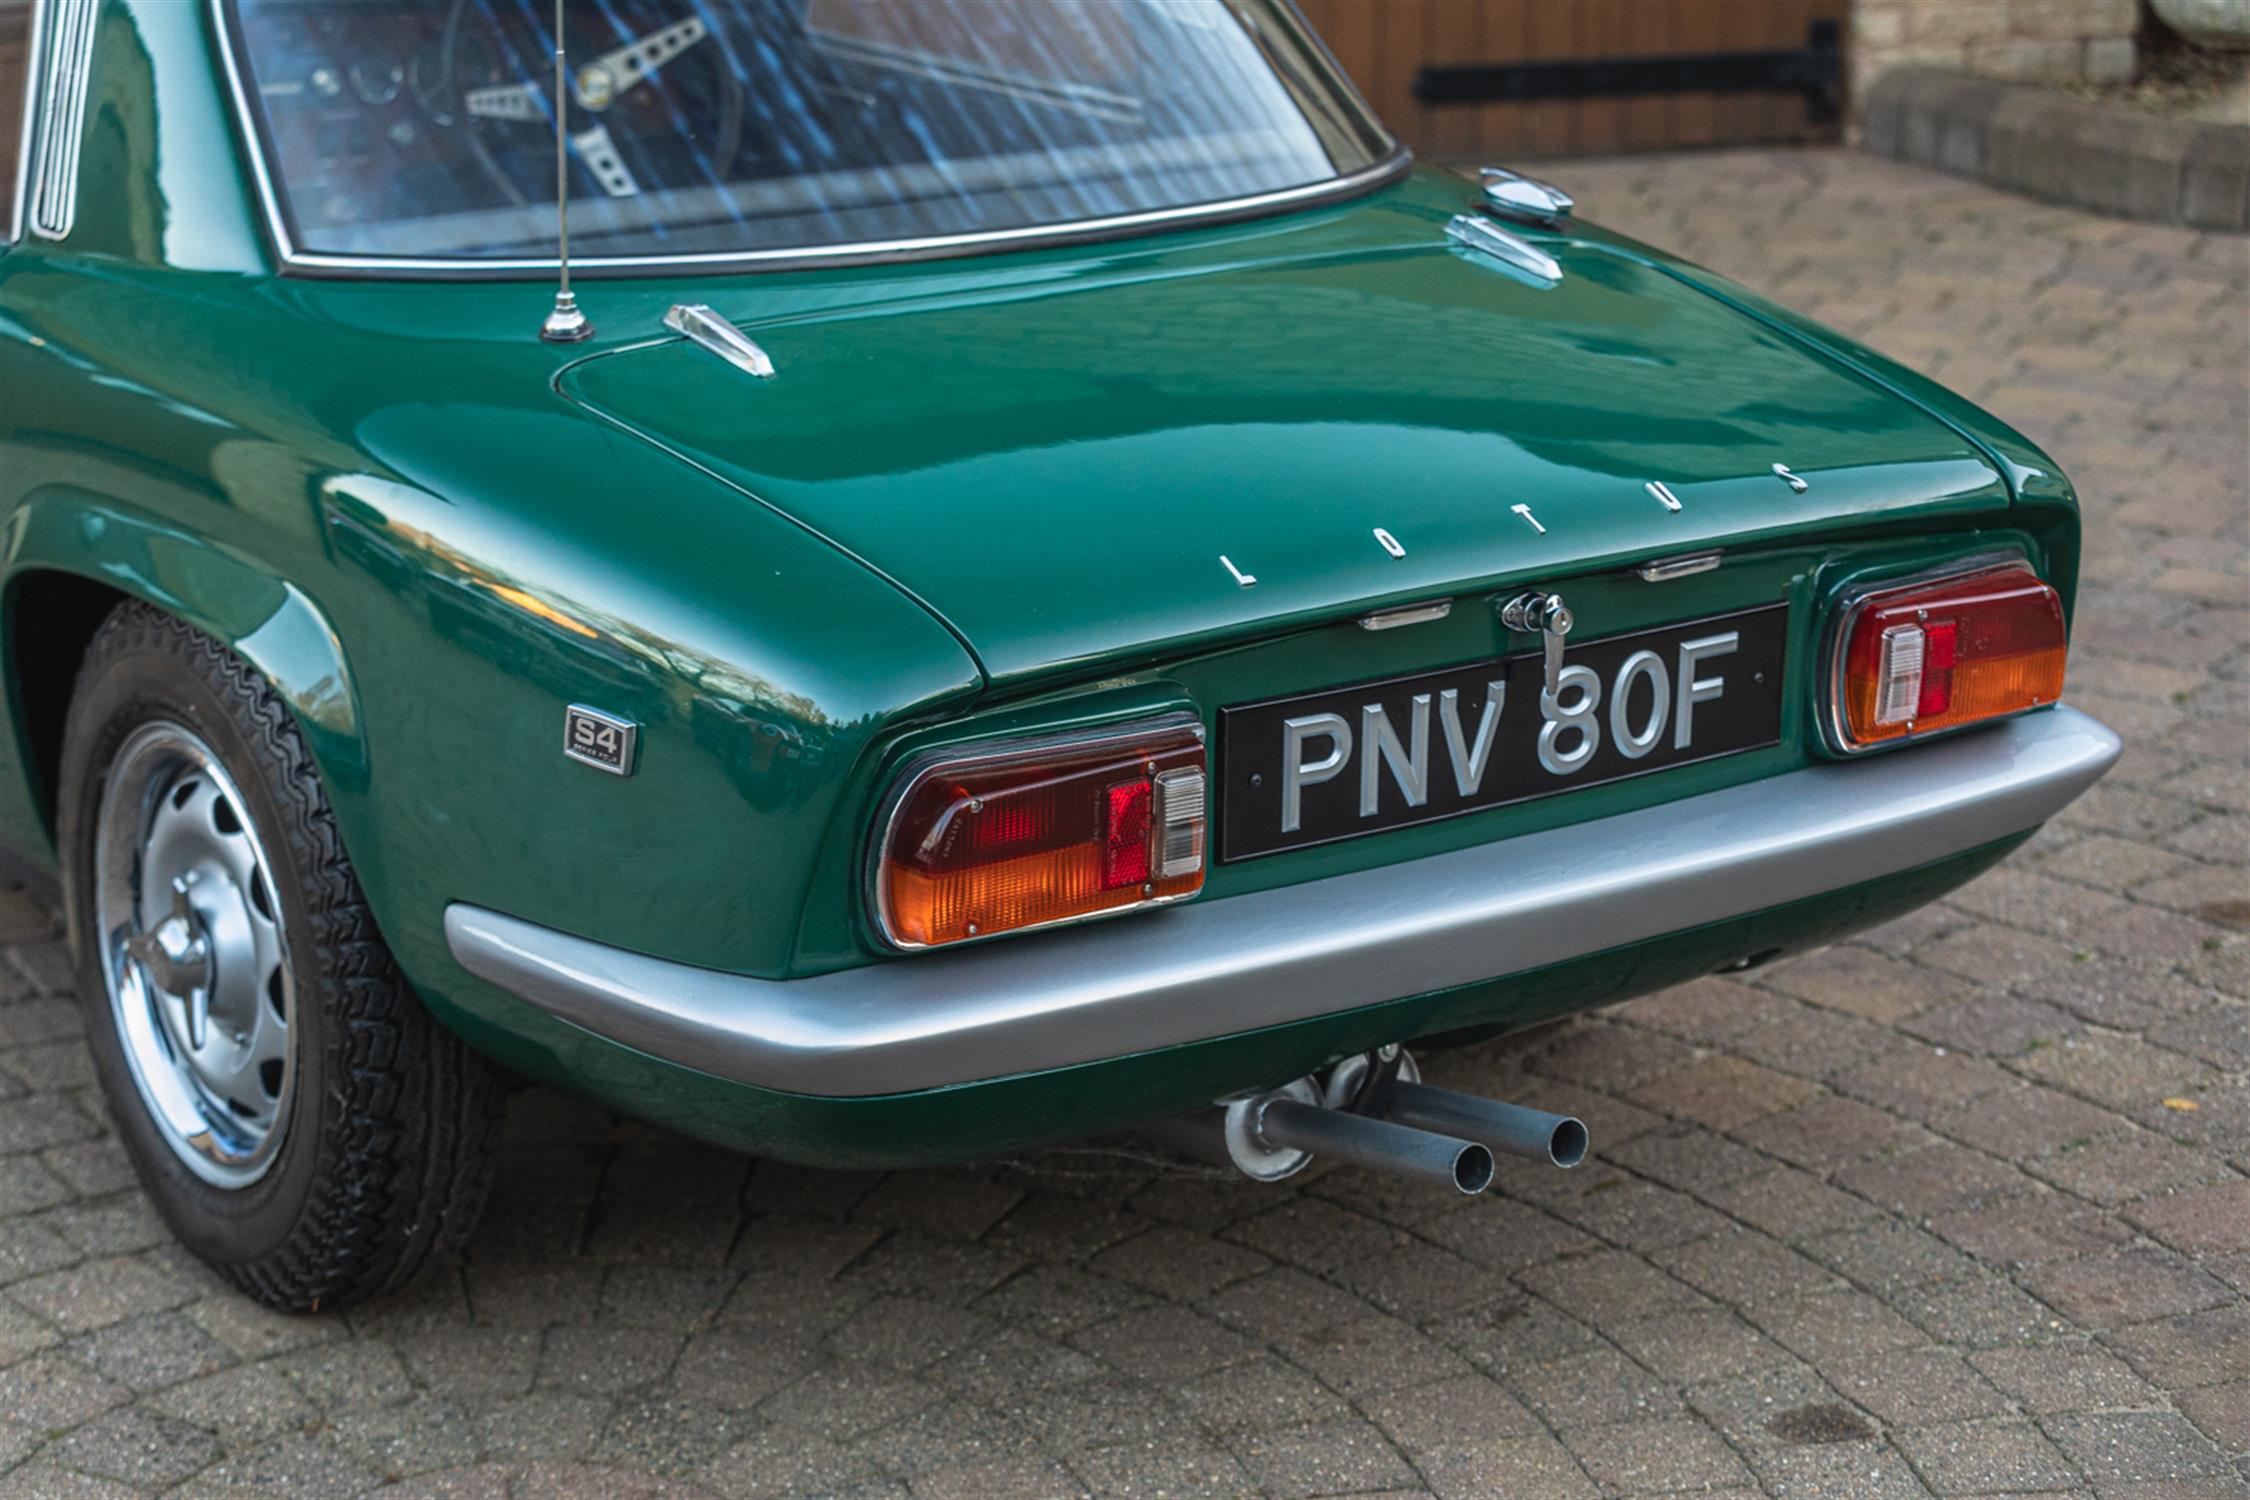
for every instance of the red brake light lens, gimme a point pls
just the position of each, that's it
(1940, 653)
(1013, 837)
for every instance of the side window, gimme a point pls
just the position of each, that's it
(15, 84)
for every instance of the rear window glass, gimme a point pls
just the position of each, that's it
(425, 128)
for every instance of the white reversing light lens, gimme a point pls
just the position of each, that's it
(1180, 807)
(1901, 689)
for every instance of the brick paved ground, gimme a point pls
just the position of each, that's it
(1910, 1215)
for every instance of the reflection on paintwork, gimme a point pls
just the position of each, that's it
(769, 738)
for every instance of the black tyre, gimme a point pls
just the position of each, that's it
(298, 1118)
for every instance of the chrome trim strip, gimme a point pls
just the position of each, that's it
(19, 201)
(708, 329)
(318, 263)
(63, 77)
(1488, 238)
(1406, 614)
(1686, 565)
(1268, 958)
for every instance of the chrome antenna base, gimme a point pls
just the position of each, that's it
(566, 324)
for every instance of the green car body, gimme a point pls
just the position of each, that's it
(983, 496)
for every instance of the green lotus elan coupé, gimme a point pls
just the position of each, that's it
(1011, 462)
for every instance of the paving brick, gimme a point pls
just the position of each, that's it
(1829, 1132)
(1501, 1338)
(137, 1446)
(1610, 1283)
(2204, 1347)
(2063, 1377)
(1639, 1215)
(2118, 1171)
(252, 1404)
(1981, 1313)
(1655, 1457)
(2219, 1035)
(2205, 1221)
(1826, 1326)
(1991, 954)
(1265, 1394)
(839, 1403)
(1932, 1180)
(152, 1352)
(2018, 896)
(1593, 1058)
(1922, 1083)
(1813, 1043)
(2026, 1122)
(2222, 1414)
(1864, 1470)
(1888, 1255)
(2113, 1447)
(1917, 1387)
(1722, 1092)
(1163, 1343)
(1868, 985)
(1535, 1468)
(1984, 1457)
(1588, 1389)
(1424, 1417)
(54, 1393)
(1706, 1012)
(2123, 994)
(1688, 1157)
(1333, 1457)
(2118, 1287)
(1187, 1469)
(2027, 1230)
(1504, 1236)
(1792, 1205)
(1741, 1267)
(1696, 1345)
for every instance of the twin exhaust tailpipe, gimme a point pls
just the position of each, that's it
(1374, 1111)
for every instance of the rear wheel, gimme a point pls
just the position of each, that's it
(298, 1118)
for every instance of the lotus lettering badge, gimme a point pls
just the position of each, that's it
(600, 740)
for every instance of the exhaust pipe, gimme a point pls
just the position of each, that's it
(1410, 1129)
(1446, 1160)
(1503, 1127)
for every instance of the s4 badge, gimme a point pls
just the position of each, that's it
(600, 740)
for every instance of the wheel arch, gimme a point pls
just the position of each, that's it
(65, 564)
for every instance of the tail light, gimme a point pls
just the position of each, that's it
(1939, 653)
(1013, 837)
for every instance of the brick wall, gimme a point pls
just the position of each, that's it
(2040, 41)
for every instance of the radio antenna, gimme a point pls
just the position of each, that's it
(566, 324)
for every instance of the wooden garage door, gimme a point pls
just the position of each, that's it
(1384, 44)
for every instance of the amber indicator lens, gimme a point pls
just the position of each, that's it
(1002, 840)
(1940, 654)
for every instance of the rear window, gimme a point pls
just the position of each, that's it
(425, 128)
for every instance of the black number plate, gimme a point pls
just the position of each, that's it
(1380, 755)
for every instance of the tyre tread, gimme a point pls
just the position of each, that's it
(411, 1121)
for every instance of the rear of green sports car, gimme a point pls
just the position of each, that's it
(1067, 582)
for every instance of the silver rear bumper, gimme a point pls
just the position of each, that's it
(1271, 957)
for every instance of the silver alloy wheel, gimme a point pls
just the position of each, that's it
(197, 966)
